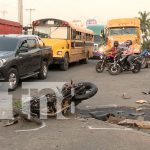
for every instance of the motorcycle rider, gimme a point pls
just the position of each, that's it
(129, 52)
(113, 50)
(146, 52)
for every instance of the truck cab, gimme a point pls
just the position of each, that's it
(122, 30)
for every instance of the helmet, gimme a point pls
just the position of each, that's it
(128, 42)
(116, 44)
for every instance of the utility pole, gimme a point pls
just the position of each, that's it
(20, 12)
(4, 12)
(30, 15)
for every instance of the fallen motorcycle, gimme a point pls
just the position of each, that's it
(71, 94)
(121, 64)
(103, 63)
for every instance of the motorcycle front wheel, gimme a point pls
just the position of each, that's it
(87, 91)
(100, 67)
(114, 69)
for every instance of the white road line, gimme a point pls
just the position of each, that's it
(35, 129)
(117, 129)
(120, 129)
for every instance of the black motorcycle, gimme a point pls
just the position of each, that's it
(103, 63)
(121, 64)
(71, 94)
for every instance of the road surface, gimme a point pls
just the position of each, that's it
(85, 133)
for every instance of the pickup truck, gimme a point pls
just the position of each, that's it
(23, 56)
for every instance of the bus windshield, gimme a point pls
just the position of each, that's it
(51, 32)
(122, 31)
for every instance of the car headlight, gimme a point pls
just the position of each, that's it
(59, 53)
(2, 62)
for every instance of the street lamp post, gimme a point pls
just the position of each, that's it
(30, 15)
(20, 12)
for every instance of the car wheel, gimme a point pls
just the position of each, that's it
(43, 71)
(65, 65)
(12, 79)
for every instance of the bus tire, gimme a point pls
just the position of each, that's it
(65, 65)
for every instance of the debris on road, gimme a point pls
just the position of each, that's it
(136, 123)
(10, 122)
(141, 101)
(146, 93)
(139, 109)
(125, 116)
(125, 96)
(137, 114)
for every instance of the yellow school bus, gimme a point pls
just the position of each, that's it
(70, 43)
(122, 30)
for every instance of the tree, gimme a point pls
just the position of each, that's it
(145, 22)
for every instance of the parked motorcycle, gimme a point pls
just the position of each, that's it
(121, 64)
(71, 93)
(103, 63)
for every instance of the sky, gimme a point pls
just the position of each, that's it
(101, 10)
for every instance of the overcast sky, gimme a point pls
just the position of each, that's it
(69, 10)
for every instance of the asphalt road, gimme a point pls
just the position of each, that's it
(85, 133)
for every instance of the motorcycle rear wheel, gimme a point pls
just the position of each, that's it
(137, 68)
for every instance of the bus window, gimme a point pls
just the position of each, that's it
(73, 35)
(78, 35)
(83, 36)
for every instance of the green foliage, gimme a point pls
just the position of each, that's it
(145, 22)
(145, 44)
(17, 104)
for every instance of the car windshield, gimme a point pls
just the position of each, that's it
(122, 31)
(51, 32)
(8, 44)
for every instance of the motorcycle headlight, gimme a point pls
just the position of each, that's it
(101, 56)
(2, 62)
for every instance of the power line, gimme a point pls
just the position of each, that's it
(30, 14)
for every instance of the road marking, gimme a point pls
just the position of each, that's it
(121, 129)
(35, 129)
(117, 129)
